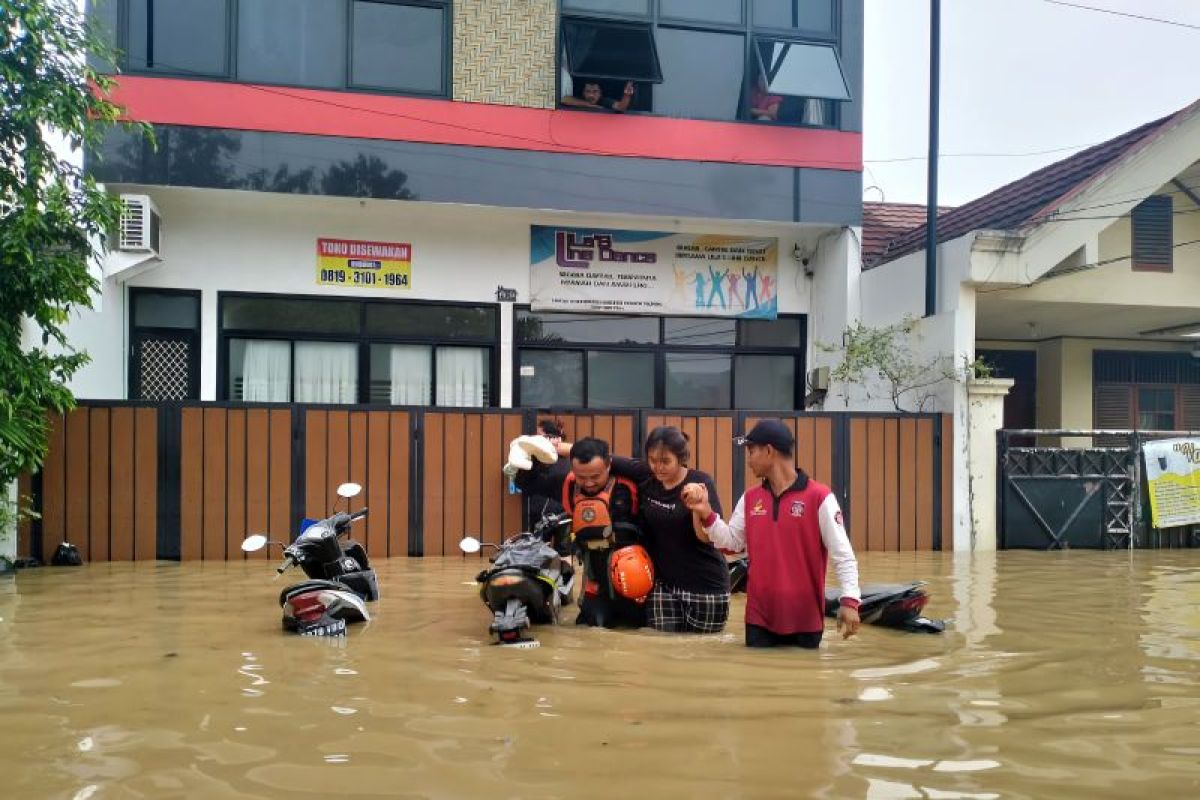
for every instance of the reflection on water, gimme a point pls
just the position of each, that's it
(1064, 675)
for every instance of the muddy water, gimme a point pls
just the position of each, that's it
(1065, 675)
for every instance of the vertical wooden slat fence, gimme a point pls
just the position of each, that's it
(126, 481)
(370, 448)
(98, 485)
(217, 445)
(467, 449)
(893, 488)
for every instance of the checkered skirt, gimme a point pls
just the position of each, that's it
(680, 611)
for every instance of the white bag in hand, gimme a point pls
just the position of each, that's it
(540, 448)
(518, 458)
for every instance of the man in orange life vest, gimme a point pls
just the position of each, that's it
(604, 511)
(790, 526)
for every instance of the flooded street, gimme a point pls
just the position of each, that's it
(1070, 674)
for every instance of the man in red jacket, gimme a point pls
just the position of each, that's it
(790, 526)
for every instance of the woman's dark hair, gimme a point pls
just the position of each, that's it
(670, 437)
(550, 427)
(588, 448)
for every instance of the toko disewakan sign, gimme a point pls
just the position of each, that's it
(364, 265)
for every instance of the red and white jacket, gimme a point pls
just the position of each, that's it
(789, 540)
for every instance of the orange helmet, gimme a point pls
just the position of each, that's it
(631, 572)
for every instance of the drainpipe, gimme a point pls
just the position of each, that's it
(935, 57)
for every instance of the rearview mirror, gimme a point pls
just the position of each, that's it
(469, 544)
(254, 543)
(348, 490)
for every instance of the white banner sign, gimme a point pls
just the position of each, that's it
(645, 272)
(1173, 478)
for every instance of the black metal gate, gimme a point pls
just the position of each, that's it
(1056, 497)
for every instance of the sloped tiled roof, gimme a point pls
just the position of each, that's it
(1021, 202)
(884, 222)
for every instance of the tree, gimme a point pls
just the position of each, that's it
(884, 362)
(51, 214)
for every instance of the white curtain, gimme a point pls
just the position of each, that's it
(461, 376)
(266, 372)
(326, 372)
(412, 372)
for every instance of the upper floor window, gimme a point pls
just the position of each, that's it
(375, 45)
(770, 61)
(180, 37)
(1153, 234)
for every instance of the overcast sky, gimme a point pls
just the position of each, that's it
(1017, 76)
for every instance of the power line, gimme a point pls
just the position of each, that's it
(983, 155)
(1176, 23)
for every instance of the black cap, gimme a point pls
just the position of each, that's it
(772, 432)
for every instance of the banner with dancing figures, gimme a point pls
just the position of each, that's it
(645, 272)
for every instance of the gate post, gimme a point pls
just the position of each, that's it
(985, 399)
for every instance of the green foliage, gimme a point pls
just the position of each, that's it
(886, 358)
(51, 213)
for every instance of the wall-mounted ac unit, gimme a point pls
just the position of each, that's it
(818, 379)
(141, 226)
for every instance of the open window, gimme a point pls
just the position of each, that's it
(609, 55)
(796, 82)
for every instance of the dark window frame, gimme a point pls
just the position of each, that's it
(1156, 255)
(136, 332)
(799, 354)
(230, 73)
(750, 32)
(362, 340)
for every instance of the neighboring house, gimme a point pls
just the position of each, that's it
(885, 222)
(1080, 281)
(442, 131)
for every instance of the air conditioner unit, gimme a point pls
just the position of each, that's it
(141, 226)
(818, 379)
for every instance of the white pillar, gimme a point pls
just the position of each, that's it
(985, 400)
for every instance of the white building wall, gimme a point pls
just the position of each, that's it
(216, 241)
(895, 290)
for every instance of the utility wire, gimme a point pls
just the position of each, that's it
(1174, 22)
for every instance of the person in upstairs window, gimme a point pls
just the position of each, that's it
(593, 97)
(790, 525)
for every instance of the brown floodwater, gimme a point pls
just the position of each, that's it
(1070, 674)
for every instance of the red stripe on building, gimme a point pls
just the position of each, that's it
(274, 109)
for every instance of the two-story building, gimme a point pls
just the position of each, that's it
(372, 202)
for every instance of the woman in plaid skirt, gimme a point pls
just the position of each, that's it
(691, 586)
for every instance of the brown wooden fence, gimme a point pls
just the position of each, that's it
(136, 482)
(234, 479)
(98, 487)
(372, 449)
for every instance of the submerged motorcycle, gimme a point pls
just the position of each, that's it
(341, 581)
(528, 582)
(889, 605)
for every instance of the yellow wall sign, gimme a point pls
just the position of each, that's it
(1173, 476)
(364, 265)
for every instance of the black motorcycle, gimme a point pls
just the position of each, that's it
(889, 605)
(341, 581)
(528, 582)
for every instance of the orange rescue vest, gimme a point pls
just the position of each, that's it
(591, 520)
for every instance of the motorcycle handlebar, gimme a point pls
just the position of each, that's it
(288, 561)
(360, 514)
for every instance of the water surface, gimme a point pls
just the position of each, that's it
(1064, 675)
